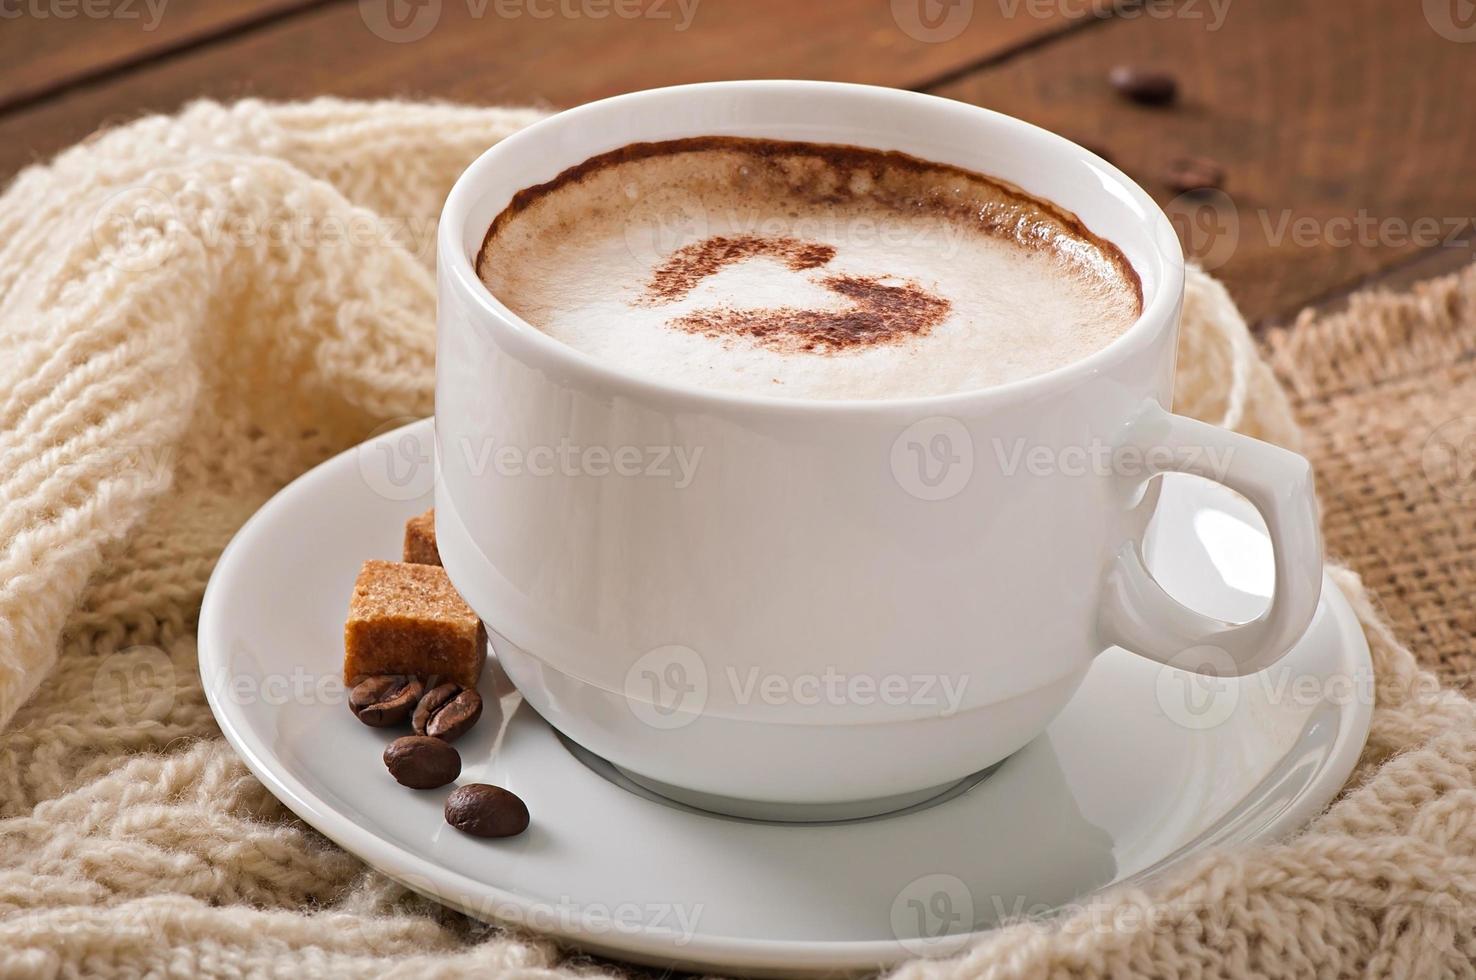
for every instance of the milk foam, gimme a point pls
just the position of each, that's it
(799, 270)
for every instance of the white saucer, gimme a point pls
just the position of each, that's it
(1145, 766)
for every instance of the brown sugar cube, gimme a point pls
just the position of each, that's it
(420, 539)
(407, 619)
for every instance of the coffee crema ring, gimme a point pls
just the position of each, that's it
(805, 270)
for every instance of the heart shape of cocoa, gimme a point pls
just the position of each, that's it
(877, 312)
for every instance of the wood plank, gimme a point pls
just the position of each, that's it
(50, 44)
(507, 51)
(1341, 126)
(1426, 264)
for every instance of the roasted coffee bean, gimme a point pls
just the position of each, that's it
(422, 762)
(486, 811)
(385, 699)
(1189, 174)
(447, 711)
(1144, 85)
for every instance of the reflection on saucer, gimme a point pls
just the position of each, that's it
(1058, 855)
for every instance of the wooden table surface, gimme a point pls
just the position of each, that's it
(1345, 128)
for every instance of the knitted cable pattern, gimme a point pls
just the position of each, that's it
(194, 310)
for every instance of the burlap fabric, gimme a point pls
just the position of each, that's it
(195, 309)
(1386, 392)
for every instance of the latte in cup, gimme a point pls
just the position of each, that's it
(805, 270)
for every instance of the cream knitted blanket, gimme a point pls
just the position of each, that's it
(194, 310)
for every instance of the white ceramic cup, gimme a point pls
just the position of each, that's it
(811, 609)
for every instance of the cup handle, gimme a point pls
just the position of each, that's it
(1140, 616)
